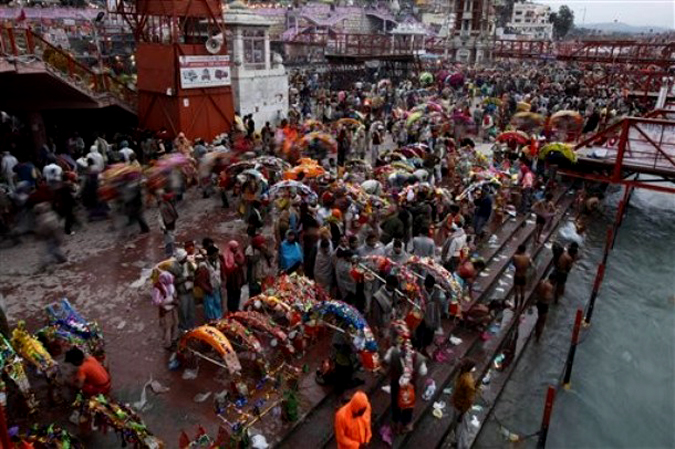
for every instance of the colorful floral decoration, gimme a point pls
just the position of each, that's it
(402, 333)
(68, 326)
(264, 324)
(445, 279)
(50, 437)
(32, 350)
(217, 341)
(234, 329)
(347, 318)
(12, 365)
(105, 413)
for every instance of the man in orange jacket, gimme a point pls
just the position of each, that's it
(352, 423)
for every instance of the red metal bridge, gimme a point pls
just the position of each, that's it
(36, 75)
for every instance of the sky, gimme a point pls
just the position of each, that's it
(658, 13)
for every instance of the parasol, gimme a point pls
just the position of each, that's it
(302, 189)
(256, 320)
(566, 121)
(349, 122)
(215, 339)
(346, 318)
(519, 137)
(426, 78)
(527, 121)
(356, 115)
(312, 125)
(455, 80)
(558, 147)
(318, 144)
(413, 117)
(309, 167)
(444, 279)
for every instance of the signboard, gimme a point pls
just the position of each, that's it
(204, 71)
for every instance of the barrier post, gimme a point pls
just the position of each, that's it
(599, 276)
(573, 350)
(545, 421)
(5, 443)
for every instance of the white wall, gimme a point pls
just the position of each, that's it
(263, 94)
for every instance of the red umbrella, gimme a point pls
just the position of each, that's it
(518, 137)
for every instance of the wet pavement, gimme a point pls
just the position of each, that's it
(105, 279)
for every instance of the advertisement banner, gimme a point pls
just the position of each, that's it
(204, 71)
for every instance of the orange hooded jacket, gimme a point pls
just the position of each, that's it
(351, 432)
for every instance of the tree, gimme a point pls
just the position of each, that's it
(563, 22)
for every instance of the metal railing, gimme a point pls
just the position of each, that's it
(23, 42)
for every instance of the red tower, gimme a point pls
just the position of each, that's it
(183, 66)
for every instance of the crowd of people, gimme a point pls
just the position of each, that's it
(435, 181)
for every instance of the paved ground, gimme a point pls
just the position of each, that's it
(105, 278)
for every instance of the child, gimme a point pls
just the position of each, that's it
(164, 297)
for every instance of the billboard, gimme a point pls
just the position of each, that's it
(204, 71)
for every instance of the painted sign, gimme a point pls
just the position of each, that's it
(204, 71)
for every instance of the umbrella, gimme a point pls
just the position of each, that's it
(412, 118)
(527, 120)
(309, 167)
(426, 78)
(560, 148)
(377, 102)
(356, 115)
(347, 122)
(522, 106)
(455, 80)
(377, 124)
(460, 117)
(318, 143)
(303, 189)
(518, 137)
(312, 125)
(566, 120)
(493, 100)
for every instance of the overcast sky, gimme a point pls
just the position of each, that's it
(659, 13)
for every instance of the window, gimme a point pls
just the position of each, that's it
(254, 48)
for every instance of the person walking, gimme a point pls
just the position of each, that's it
(208, 279)
(234, 262)
(463, 397)
(403, 385)
(167, 221)
(164, 297)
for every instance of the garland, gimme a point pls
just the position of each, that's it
(50, 437)
(348, 319)
(107, 413)
(31, 349)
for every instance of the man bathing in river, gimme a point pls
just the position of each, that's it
(522, 261)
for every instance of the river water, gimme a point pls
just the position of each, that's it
(623, 384)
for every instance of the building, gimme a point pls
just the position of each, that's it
(259, 79)
(531, 20)
(473, 30)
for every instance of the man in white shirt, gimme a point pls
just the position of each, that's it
(7, 168)
(126, 152)
(52, 172)
(452, 248)
(97, 158)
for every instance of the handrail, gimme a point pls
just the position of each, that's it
(63, 62)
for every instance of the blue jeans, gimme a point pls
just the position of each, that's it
(213, 308)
